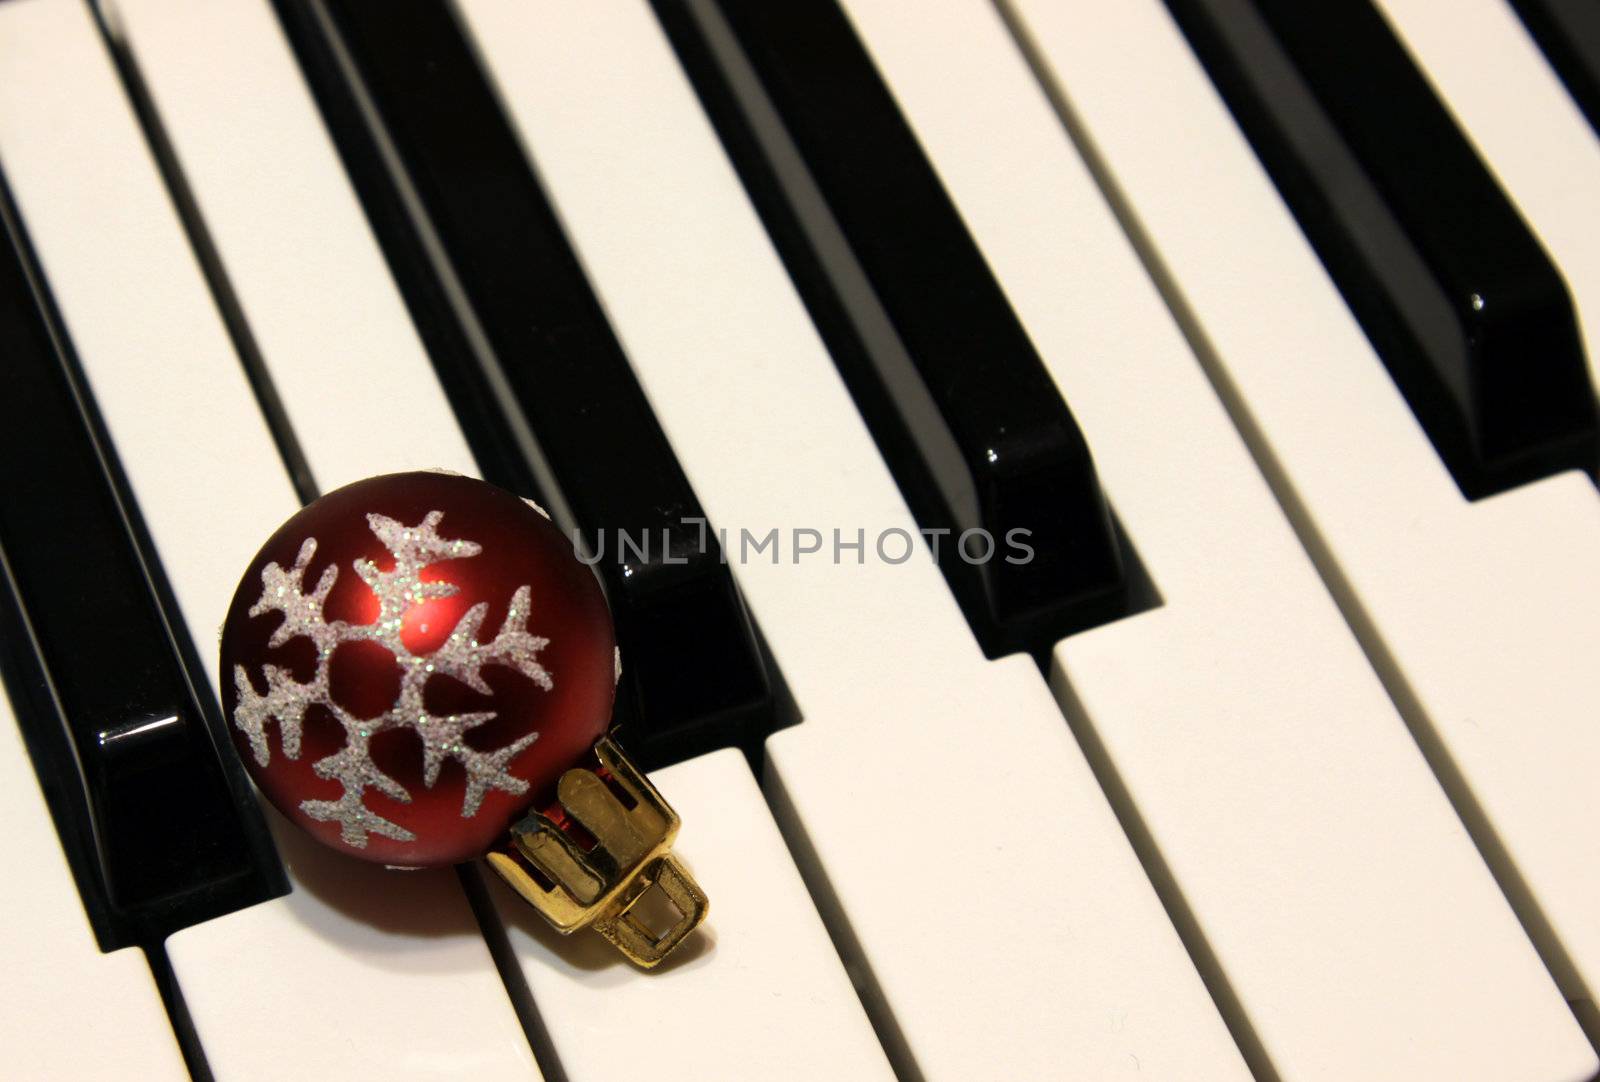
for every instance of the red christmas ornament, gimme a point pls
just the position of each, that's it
(418, 670)
(411, 661)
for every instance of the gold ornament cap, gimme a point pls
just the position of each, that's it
(601, 858)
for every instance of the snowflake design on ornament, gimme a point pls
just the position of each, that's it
(462, 656)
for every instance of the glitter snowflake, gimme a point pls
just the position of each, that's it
(462, 656)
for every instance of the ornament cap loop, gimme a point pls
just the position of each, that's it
(600, 858)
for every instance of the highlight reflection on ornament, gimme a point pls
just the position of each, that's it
(417, 664)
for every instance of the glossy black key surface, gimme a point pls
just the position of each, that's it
(544, 392)
(158, 821)
(958, 401)
(1569, 33)
(1469, 315)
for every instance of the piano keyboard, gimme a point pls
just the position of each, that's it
(1279, 761)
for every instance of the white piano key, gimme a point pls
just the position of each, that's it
(71, 1011)
(998, 922)
(1512, 106)
(269, 184)
(762, 968)
(322, 308)
(360, 973)
(319, 982)
(1483, 618)
(1316, 855)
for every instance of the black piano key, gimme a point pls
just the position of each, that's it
(544, 391)
(504, 456)
(1455, 293)
(958, 400)
(1569, 33)
(161, 829)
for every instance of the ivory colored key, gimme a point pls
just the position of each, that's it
(50, 956)
(356, 386)
(322, 981)
(994, 914)
(269, 184)
(1482, 618)
(1318, 868)
(759, 994)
